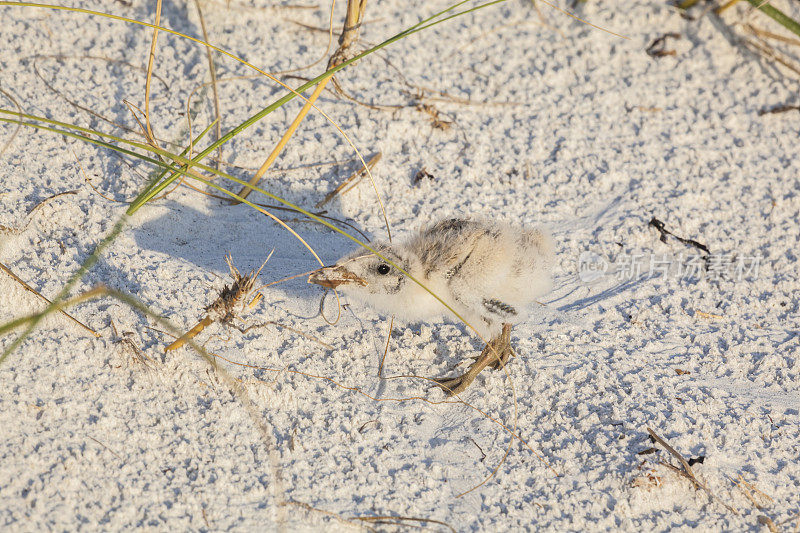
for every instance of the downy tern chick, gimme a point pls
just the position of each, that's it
(487, 272)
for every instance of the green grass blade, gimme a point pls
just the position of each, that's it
(776, 14)
(423, 25)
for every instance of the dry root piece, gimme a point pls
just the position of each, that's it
(225, 308)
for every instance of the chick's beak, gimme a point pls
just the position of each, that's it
(333, 276)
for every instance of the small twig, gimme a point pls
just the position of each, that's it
(750, 491)
(703, 314)
(687, 470)
(29, 214)
(778, 109)
(769, 35)
(679, 457)
(27, 287)
(792, 518)
(364, 425)
(397, 520)
(290, 328)
(308, 507)
(479, 448)
(766, 50)
(767, 521)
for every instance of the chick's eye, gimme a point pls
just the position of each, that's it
(383, 269)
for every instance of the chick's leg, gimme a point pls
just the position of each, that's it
(496, 354)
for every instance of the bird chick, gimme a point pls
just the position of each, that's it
(487, 272)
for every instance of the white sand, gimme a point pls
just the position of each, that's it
(91, 440)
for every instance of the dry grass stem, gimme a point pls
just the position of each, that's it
(83, 108)
(89, 182)
(769, 35)
(767, 521)
(435, 116)
(750, 491)
(213, 72)
(19, 125)
(354, 178)
(27, 287)
(29, 215)
(686, 470)
(150, 62)
(703, 314)
(245, 191)
(341, 519)
(115, 454)
(354, 13)
(452, 400)
(762, 48)
(290, 328)
(725, 6)
(398, 521)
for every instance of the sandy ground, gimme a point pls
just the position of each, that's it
(566, 127)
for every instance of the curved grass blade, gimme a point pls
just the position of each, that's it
(777, 15)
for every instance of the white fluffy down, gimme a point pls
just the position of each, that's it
(486, 272)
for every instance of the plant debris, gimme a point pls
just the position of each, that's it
(778, 109)
(29, 215)
(437, 122)
(654, 222)
(686, 468)
(658, 48)
(422, 174)
(224, 308)
(137, 355)
(28, 288)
